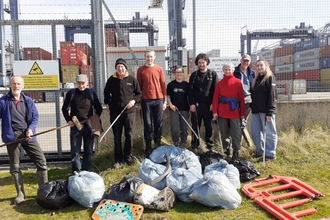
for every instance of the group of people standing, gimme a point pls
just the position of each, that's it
(204, 98)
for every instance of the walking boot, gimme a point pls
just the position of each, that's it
(18, 181)
(42, 177)
(157, 143)
(235, 155)
(148, 148)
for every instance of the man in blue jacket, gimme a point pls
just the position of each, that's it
(19, 120)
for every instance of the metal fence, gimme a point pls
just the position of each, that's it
(294, 39)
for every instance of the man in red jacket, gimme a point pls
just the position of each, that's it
(228, 107)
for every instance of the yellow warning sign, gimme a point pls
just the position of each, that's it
(35, 70)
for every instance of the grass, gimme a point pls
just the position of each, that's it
(303, 155)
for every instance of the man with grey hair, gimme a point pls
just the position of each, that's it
(228, 107)
(19, 118)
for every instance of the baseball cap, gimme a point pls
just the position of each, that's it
(246, 57)
(82, 78)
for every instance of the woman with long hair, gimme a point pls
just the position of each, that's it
(264, 98)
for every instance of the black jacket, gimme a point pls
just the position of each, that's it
(264, 96)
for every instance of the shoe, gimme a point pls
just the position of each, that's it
(267, 159)
(130, 161)
(117, 165)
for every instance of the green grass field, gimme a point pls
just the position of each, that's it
(304, 155)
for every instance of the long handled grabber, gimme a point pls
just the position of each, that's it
(214, 122)
(197, 136)
(103, 135)
(74, 119)
(264, 153)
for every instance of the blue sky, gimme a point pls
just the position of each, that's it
(219, 22)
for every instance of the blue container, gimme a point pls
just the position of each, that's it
(325, 63)
(306, 45)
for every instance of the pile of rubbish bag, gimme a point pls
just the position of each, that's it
(169, 173)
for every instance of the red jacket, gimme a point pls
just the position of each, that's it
(228, 87)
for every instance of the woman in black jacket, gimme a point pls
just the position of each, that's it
(263, 126)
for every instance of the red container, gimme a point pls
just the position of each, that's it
(36, 96)
(325, 51)
(66, 44)
(309, 75)
(287, 50)
(110, 37)
(87, 70)
(73, 56)
(36, 53)
(85, 48)
(284, 76)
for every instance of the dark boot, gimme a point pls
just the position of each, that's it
(148, 148)
(228, 152)
(235, 155)
(157, 143)
(18, 181)
(42, 177)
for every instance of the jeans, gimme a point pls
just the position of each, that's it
(264, 133)
(31, 148)
(152, 115)
(77, 137)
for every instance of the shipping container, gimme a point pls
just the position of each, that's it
(36, 53)
(73, 56)
(254, 58)
(310, 75)
(287, 68)
(307, 55)
(291, 87)
(69, 73)
(270, 61)
(312, 86)
(283, 51)
(85, 48)
(284, 76)
(325, 62)
(307, 65)
(325, 77)
(288, 59)
(36, 96)
(110, 37)
(266, 54)
(325, 51)
(306, 45)
(66, 44)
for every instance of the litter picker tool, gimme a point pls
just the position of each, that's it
(264, 153)
(74, 119)
(197, 136)
(103, 135)
(214, 121)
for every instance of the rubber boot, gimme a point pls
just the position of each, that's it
(148, 148)
(18, 181)
(42, 177)
(157, 143)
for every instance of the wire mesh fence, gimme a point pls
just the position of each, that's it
(292, 36)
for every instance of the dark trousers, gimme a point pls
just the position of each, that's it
(127, 122)
(203, 113)
(152, 118)
(77, 138)
(32, 149)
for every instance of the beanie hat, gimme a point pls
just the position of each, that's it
(121, 61)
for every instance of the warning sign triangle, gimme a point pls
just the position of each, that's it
(35, 70)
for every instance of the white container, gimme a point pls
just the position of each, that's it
(307, 55)
(267, 54)
(283, 60)
(288, 68)
(307, 65)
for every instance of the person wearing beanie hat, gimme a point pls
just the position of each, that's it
(121, 61)
(121, 90)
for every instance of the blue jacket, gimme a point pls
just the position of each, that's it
(250, 74)
(7, 132)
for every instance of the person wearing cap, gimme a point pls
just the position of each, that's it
(201, 89)
(79, 102)
(154, 99)
(122, 89)
(19, 119)
(246, 75)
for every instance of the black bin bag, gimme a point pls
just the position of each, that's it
(54, 195)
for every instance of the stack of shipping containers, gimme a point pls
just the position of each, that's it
(36, 53)
(74, 58)
(304, 66)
